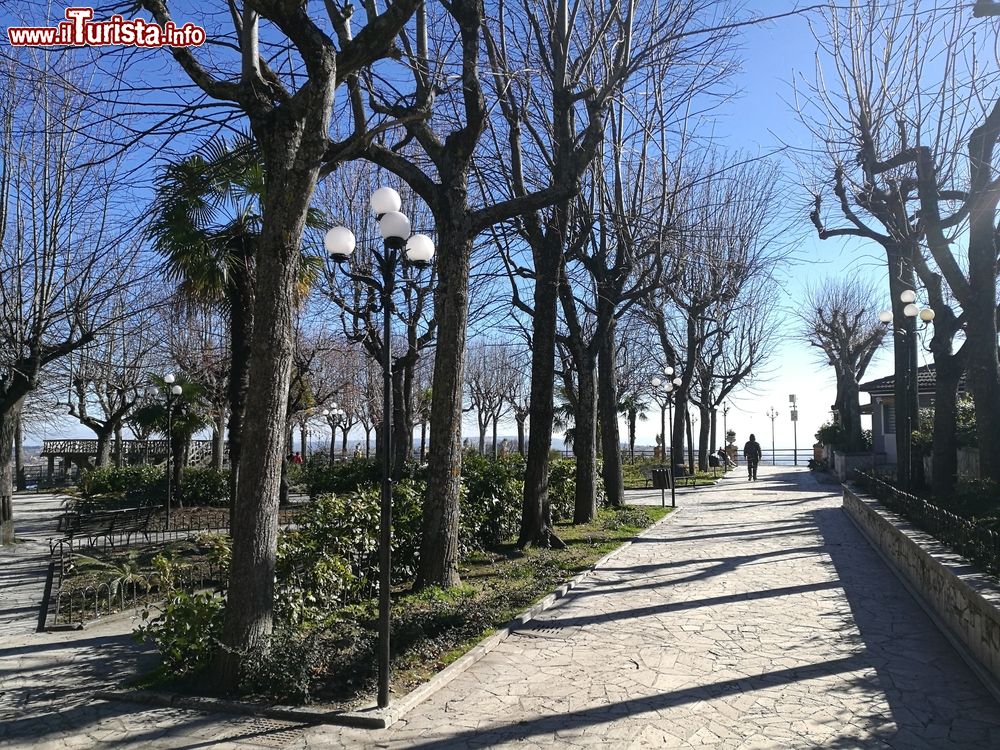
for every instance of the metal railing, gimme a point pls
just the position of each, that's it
(971, 540)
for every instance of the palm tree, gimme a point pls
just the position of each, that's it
(206, 222)
(190, 415)
(633, 406)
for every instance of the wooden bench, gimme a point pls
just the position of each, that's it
(107, 523)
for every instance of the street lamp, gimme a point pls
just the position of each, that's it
(173, 392)
(667, 389)
(417, 250)
(795, 429)
(926, 315)
(773, 415)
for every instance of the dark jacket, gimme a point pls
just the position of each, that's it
(752, 451)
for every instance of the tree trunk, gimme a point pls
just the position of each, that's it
(402, 424)
(520, 433)
(632, 417)
(495, 452)
(343, 442)
(290, 148)
(905, 362)
(536, 511)
(585, 441)
(851, 414)
(368, 442)
(690, 440)
(19, 478)
(439, 545)
(482, 432)
(218, 443)
(119, 446)
(303, 440)
(944, 450)
(423, 439)
(240, 332)
(8, 426)
(103, 446)
(982, 362)
(704, 428)
(611, 468)
(713, 441)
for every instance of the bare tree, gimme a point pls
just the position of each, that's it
(289, 112)
(62, 264)
(840, 319)
(723, 240)
(903, 92)
(487, 385)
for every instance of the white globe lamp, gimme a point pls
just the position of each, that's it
(339, 243)
(385, 200)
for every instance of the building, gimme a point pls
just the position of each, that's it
(883, 408)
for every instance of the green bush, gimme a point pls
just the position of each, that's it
(332, 557)
(343, 476)
(130, 485)
(187, 632)
(562, 488)
(491, 500)
(203, 486)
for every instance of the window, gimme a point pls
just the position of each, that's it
(888, 419)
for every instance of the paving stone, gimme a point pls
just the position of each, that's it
(757, 618)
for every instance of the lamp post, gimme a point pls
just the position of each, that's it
(667, 389)
(173, 393)
(773, 415)
(419, 249)
(795, 429)
(330, 415)
(910, 310)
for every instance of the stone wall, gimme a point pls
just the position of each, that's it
(844, 464)
(966, 602)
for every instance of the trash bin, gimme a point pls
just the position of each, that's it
(661, 479)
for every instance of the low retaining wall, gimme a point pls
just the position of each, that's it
(965, 602)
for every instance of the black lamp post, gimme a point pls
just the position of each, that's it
(173, 391)
(417, 250)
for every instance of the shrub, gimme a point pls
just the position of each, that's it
(110, 485)
(562, 488)
(203, 486)
(331, 558)
(345, 476)
(491, 500)
(288, 667)
(187, 632)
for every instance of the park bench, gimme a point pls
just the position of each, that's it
(681, 475)
(123, 522)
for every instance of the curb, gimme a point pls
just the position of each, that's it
(372, 717)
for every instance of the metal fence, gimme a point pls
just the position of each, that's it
(772, 457)
(976, 542)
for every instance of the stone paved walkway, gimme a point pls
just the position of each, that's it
(758, 617)
(24, 566)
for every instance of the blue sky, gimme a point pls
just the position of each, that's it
(759, 120)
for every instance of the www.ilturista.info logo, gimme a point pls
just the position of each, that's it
(79, 30)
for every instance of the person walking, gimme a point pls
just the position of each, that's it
(752, 453)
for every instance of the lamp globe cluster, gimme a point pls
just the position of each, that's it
(911, 310)
(393, 225)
